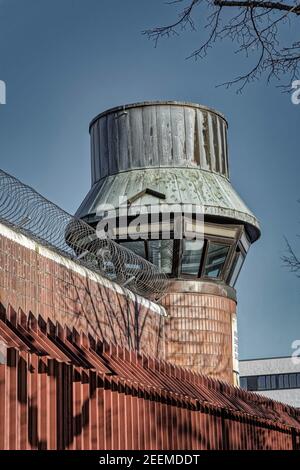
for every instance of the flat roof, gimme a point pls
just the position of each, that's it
(265, 358)
(141, 104)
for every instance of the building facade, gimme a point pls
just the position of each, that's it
(277, 378)
(158, 157)
(132, 344)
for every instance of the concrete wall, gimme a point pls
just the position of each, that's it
(280, 365)
(289, 396)
(277, 365)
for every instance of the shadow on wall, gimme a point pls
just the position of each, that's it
(56, 402)
(80, 430)
(61, 389)
(117, 318)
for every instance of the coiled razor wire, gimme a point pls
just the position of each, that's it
(30, 213)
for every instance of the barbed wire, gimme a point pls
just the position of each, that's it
(30, 213)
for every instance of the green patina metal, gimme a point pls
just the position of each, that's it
(179, 185)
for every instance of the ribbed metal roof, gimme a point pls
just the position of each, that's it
(139, 104)
(179, 185)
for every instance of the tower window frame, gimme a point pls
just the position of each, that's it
(216, 233)
(240, 253)
(228, 235)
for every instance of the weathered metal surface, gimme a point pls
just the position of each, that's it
(179, 149)
(211, 191)
(187, 286)
(62, 390)
(158, 134)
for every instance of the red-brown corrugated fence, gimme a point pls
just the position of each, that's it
(63, 390)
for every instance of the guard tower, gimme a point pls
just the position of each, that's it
(155, 155)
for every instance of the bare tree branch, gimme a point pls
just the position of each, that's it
(291, 260)
(260, 4)
(257, 27)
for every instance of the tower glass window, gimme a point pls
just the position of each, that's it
(191, 258)
(235, 270)
(137, 247)
(215, 259)
(160, 253)
(217, 255)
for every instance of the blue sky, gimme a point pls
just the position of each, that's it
(64, 61)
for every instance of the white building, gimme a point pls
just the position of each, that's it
(277, 378)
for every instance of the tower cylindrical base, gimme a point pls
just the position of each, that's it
(200, 330)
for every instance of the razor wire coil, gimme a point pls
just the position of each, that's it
(30, 213)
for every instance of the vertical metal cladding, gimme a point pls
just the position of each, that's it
(158, 134)
(63, 390)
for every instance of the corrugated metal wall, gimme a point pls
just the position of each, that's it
(62, 390)
(158, 134)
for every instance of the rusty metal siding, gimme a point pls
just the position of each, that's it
(158, 134)
(63, 390)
